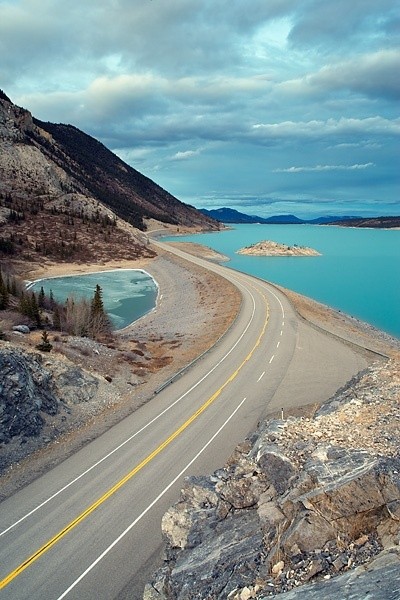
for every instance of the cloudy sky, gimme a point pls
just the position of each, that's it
(266, 106)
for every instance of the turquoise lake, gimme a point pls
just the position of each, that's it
(358, 272)
(128, 294)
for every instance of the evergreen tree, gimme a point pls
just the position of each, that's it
(23, 304)
(41, 298)
(97, 306)
(99, 321)
(45, 345)
(34, 310)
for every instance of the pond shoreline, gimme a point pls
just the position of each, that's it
(115, 294)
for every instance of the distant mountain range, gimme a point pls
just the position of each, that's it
(230, 215)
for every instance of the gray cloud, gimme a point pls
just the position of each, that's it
(218, 96)
(331, 127)
(369, 74)
(341, 24)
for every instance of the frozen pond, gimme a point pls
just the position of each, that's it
(128, 294)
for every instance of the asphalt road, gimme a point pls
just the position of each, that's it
(91, 527)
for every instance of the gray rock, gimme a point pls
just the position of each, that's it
(21, 328)
(188, 522)
(275, 466)
(73, 385)
(26, 393)
(379, 580)
(223, 561)
(31, 391)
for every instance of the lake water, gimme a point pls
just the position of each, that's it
(358, 272)
(128, 294)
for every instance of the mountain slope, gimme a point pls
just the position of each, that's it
(64, 195)
(131, 195)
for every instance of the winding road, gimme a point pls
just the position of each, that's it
(91, 527)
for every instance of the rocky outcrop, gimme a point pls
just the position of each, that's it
(269, 248)
(301, 500)
(33, 390)
(26, 393)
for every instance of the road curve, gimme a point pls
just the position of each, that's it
(90, 527)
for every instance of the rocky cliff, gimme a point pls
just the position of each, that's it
(305, 507)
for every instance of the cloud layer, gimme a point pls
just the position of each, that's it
(222, 102)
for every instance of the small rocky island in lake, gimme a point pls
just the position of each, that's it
(269, 248)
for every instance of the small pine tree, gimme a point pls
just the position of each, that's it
(97, 306)
(34, 310)
(23, 304)
(41, 298)
(45, 345)
(99, 321)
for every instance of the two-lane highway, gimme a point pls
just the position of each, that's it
(91, 527)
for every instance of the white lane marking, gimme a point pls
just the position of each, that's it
(261, 376)
(281, 332)
(130, 438)
(283, 323)
(271, 359)
(278, 345)
(146, 510)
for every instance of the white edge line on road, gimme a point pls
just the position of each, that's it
(261, 376)
(165, 490)
(130, 438)
(271, 359)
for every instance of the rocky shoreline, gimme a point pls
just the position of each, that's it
(301, 500)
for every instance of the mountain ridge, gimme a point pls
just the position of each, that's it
(230, 215)
(64, 195)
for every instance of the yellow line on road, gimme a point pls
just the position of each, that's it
(29, 561)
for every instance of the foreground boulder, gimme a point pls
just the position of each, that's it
(300, 501)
